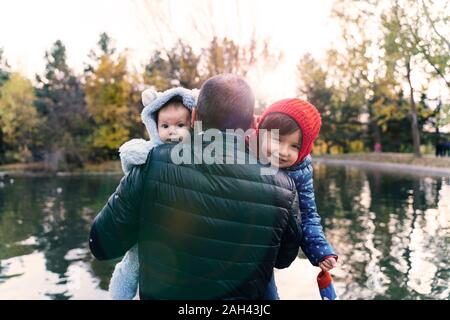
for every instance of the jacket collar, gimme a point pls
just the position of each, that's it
(302, 165)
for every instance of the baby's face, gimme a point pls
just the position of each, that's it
(173, 123)
(284, 152)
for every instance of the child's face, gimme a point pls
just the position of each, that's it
(173, 123)
(282, 153)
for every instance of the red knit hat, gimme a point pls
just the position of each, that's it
(305, 115)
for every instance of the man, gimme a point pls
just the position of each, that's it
(205, 231)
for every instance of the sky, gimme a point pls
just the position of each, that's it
(28, 28)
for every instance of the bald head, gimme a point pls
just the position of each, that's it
(226, 101)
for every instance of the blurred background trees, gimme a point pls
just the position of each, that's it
(65, 122)
(371, 85)
(366, 88)
(19, 118)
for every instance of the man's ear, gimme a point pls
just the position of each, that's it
(193, 117)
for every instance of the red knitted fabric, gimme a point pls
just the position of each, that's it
(307, 118)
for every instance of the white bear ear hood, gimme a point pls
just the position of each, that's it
(153, 101)
(148, 96)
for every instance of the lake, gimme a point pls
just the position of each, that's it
(390, 230)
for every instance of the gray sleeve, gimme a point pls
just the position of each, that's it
(125, 278)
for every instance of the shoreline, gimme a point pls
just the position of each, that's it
(40, 170)
(388, 162)
(402, 168)
(13, 174)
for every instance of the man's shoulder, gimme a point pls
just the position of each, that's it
(280, 179)
(160, 153)
(248, 170)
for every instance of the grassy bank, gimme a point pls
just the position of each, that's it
(114, 166)
(109, 166)
(30, 168)
(397, 158)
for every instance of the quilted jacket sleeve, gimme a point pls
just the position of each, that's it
(290, 241)
(115, 228)
(313, 243)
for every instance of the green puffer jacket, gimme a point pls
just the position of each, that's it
(204, 231)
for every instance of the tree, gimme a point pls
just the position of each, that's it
(427, 26)
(384, 45)
(19, 118)
(61, 101)
(4, 69)
(105, 48)
(226, 56)
(400, 53)
(157, 72)
(108, 90)
(181, 66)
(4, 76)
(313, 85)
(241, 53)
(370, 75)
(385, 106)
(178, 66)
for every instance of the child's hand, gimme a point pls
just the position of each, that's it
(328, 264)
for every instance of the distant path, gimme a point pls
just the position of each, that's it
(394, 162)
(387, 166)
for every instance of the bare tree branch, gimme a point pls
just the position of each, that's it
(427, 56)
(427, 14)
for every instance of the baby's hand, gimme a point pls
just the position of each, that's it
(328, 264)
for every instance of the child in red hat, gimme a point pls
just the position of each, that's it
(298, 122)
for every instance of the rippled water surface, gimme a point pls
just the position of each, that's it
(391, 233)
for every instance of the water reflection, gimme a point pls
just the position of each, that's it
(44, 224)
(391, 233)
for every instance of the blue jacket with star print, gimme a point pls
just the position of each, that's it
(314, 244)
